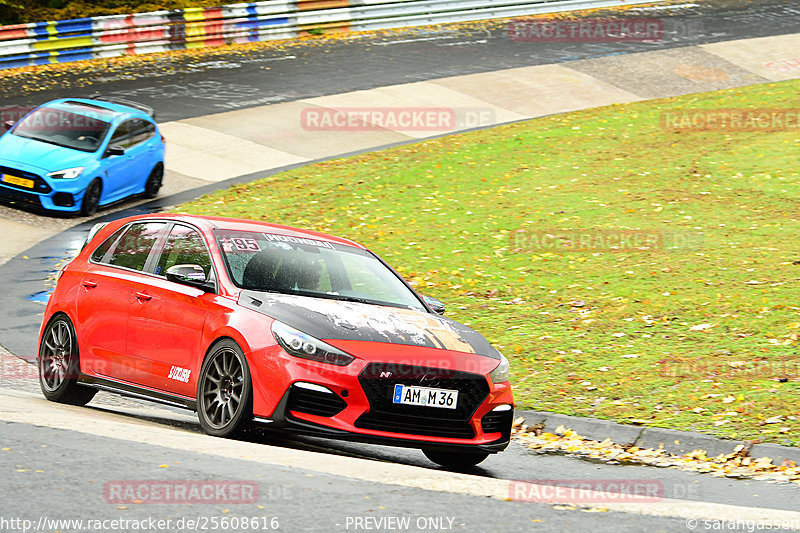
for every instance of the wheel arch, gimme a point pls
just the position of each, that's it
(244, 409)
(210, 348)
(45, 323)
(59, 374)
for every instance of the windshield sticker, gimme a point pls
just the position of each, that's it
(246, 244)
(239, 244)
(297, 240)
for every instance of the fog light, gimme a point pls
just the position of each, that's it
(63, 199)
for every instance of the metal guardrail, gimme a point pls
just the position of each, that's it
(108, 36)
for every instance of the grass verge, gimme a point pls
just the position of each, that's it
(694, 329)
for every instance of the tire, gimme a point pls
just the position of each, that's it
(455, 460)
(224, 391)
(91, 198)
(154, 181)
(59, 364)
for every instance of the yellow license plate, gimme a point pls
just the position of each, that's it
(14, 180)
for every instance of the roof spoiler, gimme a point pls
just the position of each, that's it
(123, 101)
(92, 232)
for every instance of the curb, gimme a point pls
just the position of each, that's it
(673, 441)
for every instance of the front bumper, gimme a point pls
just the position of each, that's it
(44, 194)
(355, 402)
(286, 421)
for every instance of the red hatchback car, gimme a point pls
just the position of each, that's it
(248, 322)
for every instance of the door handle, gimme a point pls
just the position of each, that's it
(142, 296)
(89, 284)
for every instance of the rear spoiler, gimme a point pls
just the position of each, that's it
(92, 232)
(123, 101)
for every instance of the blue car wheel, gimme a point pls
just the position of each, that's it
(153, 184)
(91, 198)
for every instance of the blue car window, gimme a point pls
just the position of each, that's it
(121, 135)
(141, 130)
(63, 128)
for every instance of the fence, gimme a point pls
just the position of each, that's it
(107, 36)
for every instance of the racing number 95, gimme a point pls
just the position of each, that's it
(246, 245)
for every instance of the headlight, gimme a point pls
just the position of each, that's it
(502, 372)
(67, 173)
(299, 344)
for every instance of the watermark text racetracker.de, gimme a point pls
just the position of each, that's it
(731, 119)
(586, 490)
(46, 119)
(601, 240)
(753, 369)
(586, 30)
(395, 118)
(180, 492)
(14, 368)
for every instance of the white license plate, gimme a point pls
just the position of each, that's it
(425, 396)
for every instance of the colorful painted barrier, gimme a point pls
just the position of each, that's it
(107, 36)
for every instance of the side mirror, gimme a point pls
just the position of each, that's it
(191, 275)
(8, 124)
(436, 305)
(115, 150)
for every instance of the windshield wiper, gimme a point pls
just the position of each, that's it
(327, 296)
(353, 299)
(47, 141)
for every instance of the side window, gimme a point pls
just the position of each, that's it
(121, 135)
(134, 247)
(141, 130)
(100, 252)
(184, 246)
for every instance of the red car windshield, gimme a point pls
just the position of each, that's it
(55, 125)
(294, 265)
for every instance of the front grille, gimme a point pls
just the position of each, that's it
(498, 422)
(39, 185)
(378, 381)
(14, 196)
(415, 425)
(314, 402)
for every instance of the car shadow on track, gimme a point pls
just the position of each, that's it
(184, 420)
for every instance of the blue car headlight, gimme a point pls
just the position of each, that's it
(66, 174)
(300, 344)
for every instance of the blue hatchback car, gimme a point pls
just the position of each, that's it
(76, 154)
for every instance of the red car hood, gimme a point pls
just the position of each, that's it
(352, 321)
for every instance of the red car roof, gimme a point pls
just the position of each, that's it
(240, 224)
